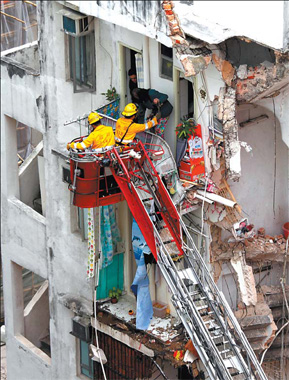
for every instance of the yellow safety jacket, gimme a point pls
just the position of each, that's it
(128, 129)
(101, 137)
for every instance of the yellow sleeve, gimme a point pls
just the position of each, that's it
(84, 144)
(135, 128)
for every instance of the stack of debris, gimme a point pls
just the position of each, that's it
(259, 247)
(257, 323)
(275, 299)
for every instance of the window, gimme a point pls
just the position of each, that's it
(86, 364)
(166, 62)
(80, 52)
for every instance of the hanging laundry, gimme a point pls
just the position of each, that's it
(110, 234)
(91, 244)
(140, 285)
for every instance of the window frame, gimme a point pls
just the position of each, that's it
(165, 57)
(70, 52)
(82, 366)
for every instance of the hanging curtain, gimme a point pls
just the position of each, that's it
(139, 70)
(140, 285)
(91, 244)
(110, 234)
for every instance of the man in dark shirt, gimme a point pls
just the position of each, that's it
(132, 82)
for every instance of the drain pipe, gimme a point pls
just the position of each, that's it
(146, 62)
(122, 77)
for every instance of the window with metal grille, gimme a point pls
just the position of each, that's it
(166, 62)
(124, 362)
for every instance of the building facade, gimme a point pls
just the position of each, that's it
(232, 76)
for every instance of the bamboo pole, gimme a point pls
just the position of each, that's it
(29, 2)
(15, 18)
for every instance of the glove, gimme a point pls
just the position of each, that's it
(68, 146)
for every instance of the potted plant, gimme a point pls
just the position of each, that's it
(111, 94)
(184, 130)
(114, 294)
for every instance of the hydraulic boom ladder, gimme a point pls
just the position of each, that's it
(202, 308)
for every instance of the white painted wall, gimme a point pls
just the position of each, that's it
(214, 20)
(255, 189)
(251, 19)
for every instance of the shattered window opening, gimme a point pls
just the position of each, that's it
(32, 302)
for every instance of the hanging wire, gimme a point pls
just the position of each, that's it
(275, 156)
(96, 276)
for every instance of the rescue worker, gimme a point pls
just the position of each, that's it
(126, 127)
(100, 137)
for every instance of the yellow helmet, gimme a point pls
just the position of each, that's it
(130, 109)
(93, 117)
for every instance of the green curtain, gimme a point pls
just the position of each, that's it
(110, 276)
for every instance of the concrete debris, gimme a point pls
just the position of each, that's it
(257, 323)
(245, 280)
(242, 72)
(260, 78)
(225, 68)
(193, 55)
(274, 296)
(256, 248)
(194, 65)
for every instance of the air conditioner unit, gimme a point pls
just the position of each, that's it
(81, 328)
(73, 22)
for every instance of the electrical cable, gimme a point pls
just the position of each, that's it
(275, 157)
(96, 276)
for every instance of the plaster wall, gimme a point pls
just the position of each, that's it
(230, 17)
(21, 93)
(146, 18)
(255, 190)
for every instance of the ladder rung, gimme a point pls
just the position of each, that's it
(235, 374)
(200, 299)
(168, 241)
(218, 336)
(220, 343)
(146, 199)
(225, 351)
(195, 293)
(207, 313)
(214, 328)
(201, 307)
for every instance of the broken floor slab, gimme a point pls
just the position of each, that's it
(256, 248)
(257, 323)
(164, 335)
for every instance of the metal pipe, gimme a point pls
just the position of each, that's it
(146, 62)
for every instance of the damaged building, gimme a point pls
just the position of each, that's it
(225, 69)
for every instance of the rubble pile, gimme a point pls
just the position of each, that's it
(259, 247)
(257, 323)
